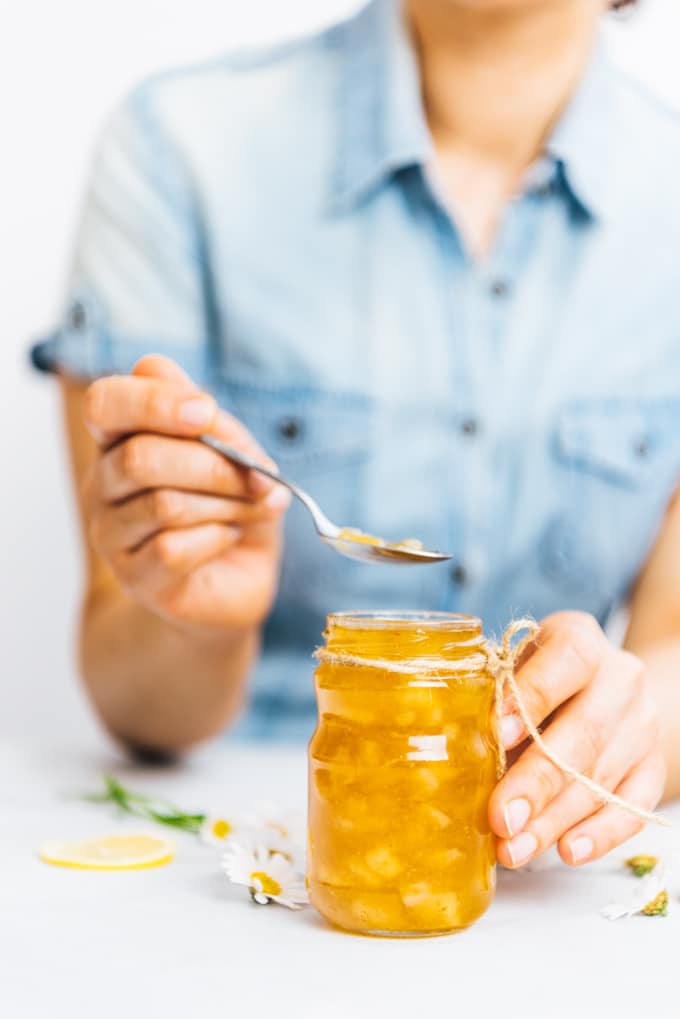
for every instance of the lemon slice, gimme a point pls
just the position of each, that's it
(112, 852)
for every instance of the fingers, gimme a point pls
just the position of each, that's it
(575, 802)
(609, 826)
(155, 366)
(578, 736)
(119, 405)
(602, 732)
(225, 591)
(143, 462)
(570, 647)
(223, 426)
(230, 430)
(124, 404)
(167, 558)
(187, 534)
(128, 525)
(159, 399)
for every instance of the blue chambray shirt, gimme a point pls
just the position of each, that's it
(268, 220)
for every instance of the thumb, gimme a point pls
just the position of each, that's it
(155, 366)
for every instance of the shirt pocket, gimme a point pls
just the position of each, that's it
(615, 466)
(322, 441)
(313, 433)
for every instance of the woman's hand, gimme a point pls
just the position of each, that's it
(187, 535)
(593, 703)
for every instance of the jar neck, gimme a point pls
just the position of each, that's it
(391, 637)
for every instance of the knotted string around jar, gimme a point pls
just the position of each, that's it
(502, 660)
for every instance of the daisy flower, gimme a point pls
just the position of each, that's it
(285, 834)
(270, 877)
(218, 829)
(279, 831)
(650, 898)
(282, 833)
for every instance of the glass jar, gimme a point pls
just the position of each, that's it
(401, 768)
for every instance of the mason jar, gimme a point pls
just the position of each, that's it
(401, 768)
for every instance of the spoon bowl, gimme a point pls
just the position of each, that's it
(340, 539)
(364, 552)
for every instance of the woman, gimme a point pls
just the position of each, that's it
(428, 261)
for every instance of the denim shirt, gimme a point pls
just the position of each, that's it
(268, 220)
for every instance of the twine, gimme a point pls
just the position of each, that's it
(502, 660)
(411, 666)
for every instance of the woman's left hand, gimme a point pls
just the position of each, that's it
(596, 712)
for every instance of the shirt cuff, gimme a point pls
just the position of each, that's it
(83, 348)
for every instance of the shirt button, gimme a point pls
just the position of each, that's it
(641, 448)
(459, 574)
(500, 288)
(469, 427)
(290, 429)
(77, 316)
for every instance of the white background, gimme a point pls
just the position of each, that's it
(62, 66)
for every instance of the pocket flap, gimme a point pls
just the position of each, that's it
(621, 440)
(303, 426)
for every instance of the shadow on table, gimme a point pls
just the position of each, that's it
(545, 885)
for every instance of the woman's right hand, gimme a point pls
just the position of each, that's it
(187, 534)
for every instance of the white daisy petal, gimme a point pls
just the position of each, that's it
(282, 831)
(646, 890)
(615, 911)
(294, 896)
(288, 903)
(239, 861)
(218, 829)
(270, 877)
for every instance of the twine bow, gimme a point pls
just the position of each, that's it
(502, 660)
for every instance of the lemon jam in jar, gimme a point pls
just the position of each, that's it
(401, 768)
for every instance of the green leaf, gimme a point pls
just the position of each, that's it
(148, 807)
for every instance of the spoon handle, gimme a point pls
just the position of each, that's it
(323, 525)
(237, 457)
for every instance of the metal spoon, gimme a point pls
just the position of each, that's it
(335, 536)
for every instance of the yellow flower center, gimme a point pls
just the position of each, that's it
(268, 884)
(221, 829)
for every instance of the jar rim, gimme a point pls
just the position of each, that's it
(372, 619)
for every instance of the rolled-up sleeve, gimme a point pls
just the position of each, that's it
(138, 282)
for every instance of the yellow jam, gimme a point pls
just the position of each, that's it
(401, 768)
(353, 534)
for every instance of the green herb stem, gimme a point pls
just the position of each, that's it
(147, 807)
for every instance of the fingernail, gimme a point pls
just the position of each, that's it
(581, 848)
(516, 814)
(279, 498)
(522, 848)
(197, 412)
(511, 729)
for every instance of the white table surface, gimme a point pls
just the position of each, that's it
(180, 941)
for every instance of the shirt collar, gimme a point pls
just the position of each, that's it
(382, 126)
(582, 141)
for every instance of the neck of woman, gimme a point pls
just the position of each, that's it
(495, 77)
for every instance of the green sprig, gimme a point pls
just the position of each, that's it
(147, 807)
